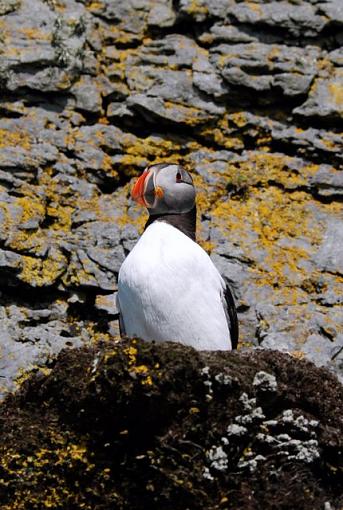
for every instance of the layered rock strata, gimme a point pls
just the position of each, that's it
(248, 95)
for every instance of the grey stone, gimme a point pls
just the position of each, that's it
(226, 33)
(232, 270)
(168, 92)
(162, 15)
(333, 10)
(7, 6)
(29, 338)
(10, 260)
(279, 341)
(248, 97)
(118, 109)
(200, 10)
(328, 181)
(330, 254)
(129, 236)
(300, 18)
(331, 298)
(318, 350)
(325, 98)
(336, 56)
(336, 363)
(107, 303)
(87, 95)
(264, 67)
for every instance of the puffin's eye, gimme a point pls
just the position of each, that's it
(178, 177)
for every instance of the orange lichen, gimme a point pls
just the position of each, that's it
(324, 64)
(262, 168)
(269, 219)
(17, 213)
(24, 374)
(273, 56)
(297, 354)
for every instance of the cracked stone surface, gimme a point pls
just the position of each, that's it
(247, 95)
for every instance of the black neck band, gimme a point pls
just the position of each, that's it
(186, 222)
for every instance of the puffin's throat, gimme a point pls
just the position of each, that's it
(186, 222)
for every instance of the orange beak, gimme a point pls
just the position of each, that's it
(139, 187)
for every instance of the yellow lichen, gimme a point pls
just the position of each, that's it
(194, 410)
(239, 119)
(62, 459)
(273, 216)
(187, 114)
(42, 272)
(35, 33)
(297, 354)
(95, 6)
(30, 209)
(220, 132)
(140, 370)
(24, 375)
(336, 92)
(272, 56)
(196, 7)
(269, 219)
(256, 8)
(12, 138)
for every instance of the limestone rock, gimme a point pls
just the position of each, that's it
(247, 95)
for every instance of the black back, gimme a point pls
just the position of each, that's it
(121, 325)
(231, 315)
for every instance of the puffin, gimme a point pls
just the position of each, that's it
(168, 287)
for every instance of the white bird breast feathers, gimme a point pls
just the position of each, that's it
(169, 289)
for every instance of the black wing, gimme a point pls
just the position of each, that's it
(121, 321)
(231, 315)
(121, 326)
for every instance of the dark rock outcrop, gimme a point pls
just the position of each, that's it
(248, 95)
(135, 425)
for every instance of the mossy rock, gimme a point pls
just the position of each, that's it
(135, 425)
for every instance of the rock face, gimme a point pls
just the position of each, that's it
(137, 425)
(248, 95)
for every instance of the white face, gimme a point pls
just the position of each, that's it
(165, 189)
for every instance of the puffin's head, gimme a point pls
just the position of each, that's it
(165, 189)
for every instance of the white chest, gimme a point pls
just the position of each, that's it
(169, 289)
